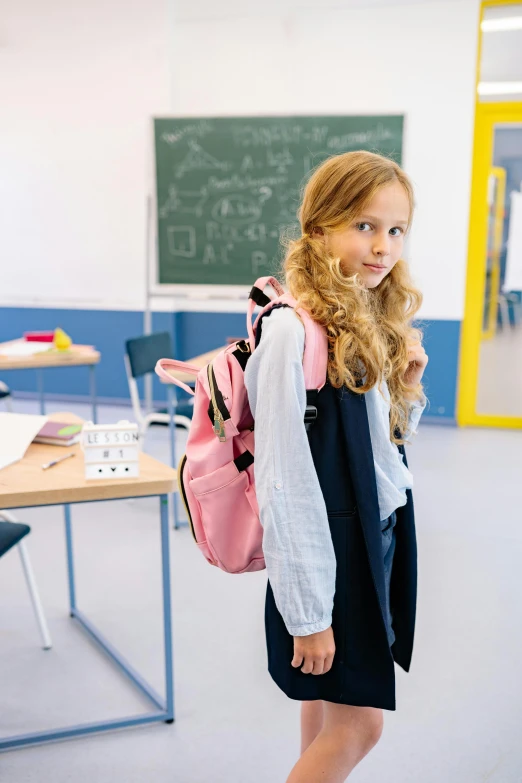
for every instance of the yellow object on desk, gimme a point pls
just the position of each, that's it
(22, 355)
(61, 340)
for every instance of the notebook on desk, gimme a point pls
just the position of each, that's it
(23, 348)
(17, 431)
(59, 433)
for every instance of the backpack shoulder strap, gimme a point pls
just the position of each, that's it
(315, 358)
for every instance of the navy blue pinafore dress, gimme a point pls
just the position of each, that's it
(374, 604)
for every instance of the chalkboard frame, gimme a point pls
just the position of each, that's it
(228, 297)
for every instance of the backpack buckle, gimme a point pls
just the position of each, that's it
(310, 414)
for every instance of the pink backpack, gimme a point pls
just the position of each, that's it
(216, 474)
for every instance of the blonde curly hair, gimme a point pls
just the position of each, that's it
(369, 330)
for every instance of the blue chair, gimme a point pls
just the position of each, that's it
(5, 395)
(141, 356)
(140, 360)
(11, 534)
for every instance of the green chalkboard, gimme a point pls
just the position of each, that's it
(228, 186)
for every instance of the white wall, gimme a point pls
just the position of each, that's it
(85, 78)
(79, 84)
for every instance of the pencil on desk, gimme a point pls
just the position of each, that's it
(56, 461)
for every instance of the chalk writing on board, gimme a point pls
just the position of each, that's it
(264, 194)
(184, 201)
(259, 259)
(359, 138)
(213, 255)
(255, 232)
(194, 129)
(236, 209)
(229, 188)
(182, 241)
(280, 160)
(268, 135)
(198, 159)
(236, 182)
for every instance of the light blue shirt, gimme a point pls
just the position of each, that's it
(297, 544)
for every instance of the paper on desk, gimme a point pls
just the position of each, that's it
(17, 431)
(23, 348)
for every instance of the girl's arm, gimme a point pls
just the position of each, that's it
(416, 410)
(417, 361)
(297, 544)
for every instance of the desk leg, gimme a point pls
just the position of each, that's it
(172, 434)
(167, 616)
(164, 708)
(40, 388)
(70, 559)
(92, 384)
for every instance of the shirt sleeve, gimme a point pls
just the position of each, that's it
(297, 543)
(416, 411)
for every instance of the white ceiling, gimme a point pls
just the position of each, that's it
(501, 59)
(342, 4)
(501, 11)
(210, 9)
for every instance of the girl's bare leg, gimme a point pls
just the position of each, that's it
(347, 735)
(311, 722)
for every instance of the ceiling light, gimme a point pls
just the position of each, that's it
(499, 88)
(502, 25)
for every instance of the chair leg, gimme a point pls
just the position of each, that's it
(7, 399)
(504, 312)
(143, 427)
(35, 597)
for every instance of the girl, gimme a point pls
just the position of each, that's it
(335, 502)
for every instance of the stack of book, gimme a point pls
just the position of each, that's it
(59, 433)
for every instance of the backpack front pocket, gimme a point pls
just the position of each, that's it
(232, 528)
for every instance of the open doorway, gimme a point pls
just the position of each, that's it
(490, 376)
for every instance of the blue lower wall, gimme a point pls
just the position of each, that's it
(441, 343)
(193, 333)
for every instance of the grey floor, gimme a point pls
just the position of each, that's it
(499, 386)
(459, 709)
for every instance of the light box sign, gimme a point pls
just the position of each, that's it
(111, 450)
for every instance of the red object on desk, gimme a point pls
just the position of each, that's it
(39, 337)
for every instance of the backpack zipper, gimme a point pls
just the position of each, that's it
(181, 488)
(219, 424)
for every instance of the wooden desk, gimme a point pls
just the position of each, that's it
(75, 356)
(25, 484)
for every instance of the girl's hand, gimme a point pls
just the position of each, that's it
(417, 361)
(316, 650)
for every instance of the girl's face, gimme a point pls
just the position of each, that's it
(372, 244)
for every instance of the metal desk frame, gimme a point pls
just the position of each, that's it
(171, 407)
(164, 707)
(92, 387)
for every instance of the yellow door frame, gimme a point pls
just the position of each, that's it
(487, 116)
(498, 205)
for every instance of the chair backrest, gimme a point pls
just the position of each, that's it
(11, 533)
(144, 352)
